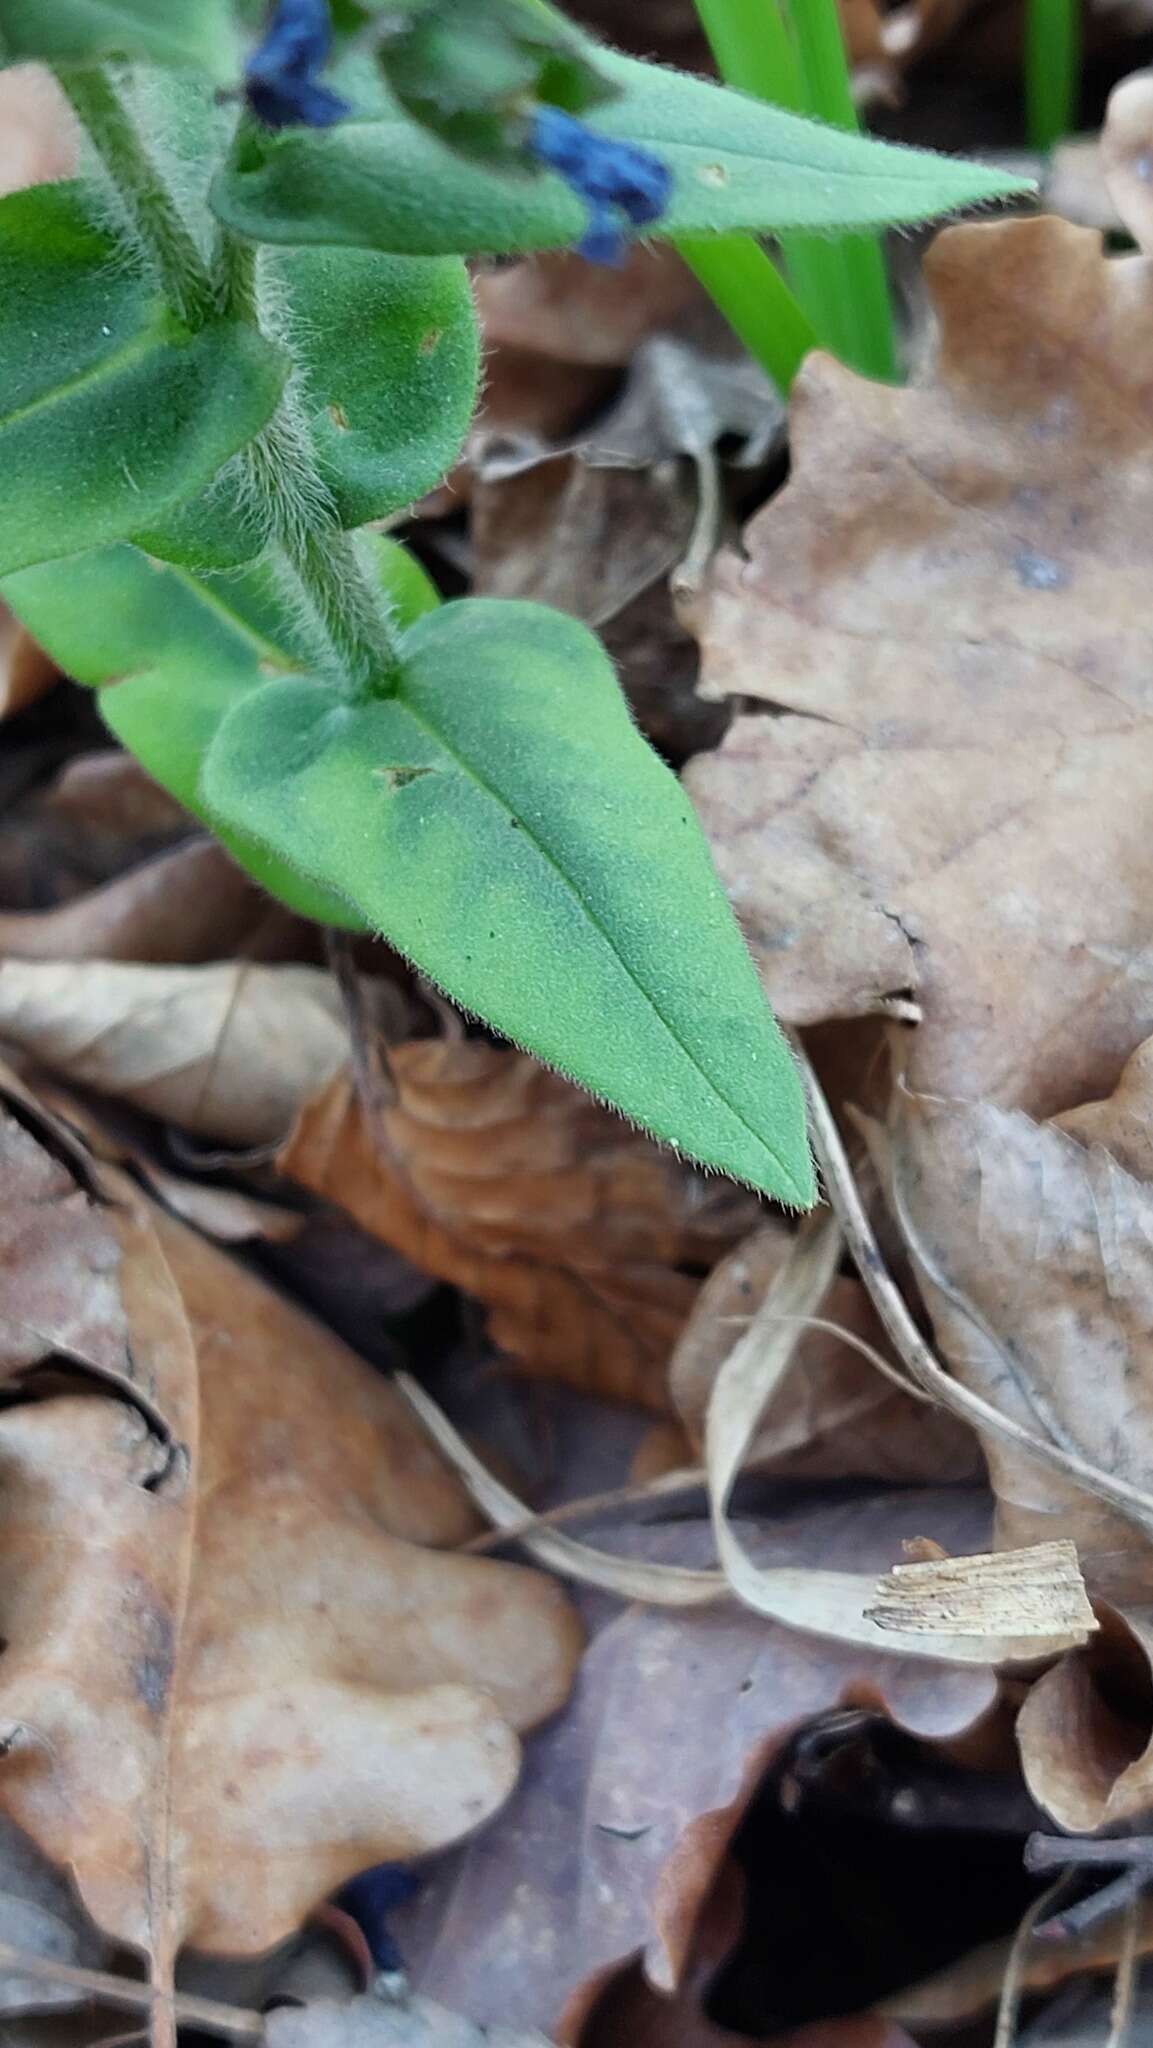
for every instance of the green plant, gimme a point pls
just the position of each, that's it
(1052, 69)
(791, 53)
(240, 340)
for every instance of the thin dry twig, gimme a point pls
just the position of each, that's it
(232, 2022)
(1125, 1982)
(688, 1480)
(1013, 1982)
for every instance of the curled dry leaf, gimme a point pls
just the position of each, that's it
(228, 1050)
(614, 1838)
(1086, 1734)
(233, 1676)
(834, 1416)
(1030, 1611)
(572, 1229)
(945, 617)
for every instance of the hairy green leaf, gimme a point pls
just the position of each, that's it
(738, 163)
(110, 411)
(171, 653)
(390, 354)
(501, 821)
(192, 32)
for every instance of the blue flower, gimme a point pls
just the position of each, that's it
(613, 178)
(280, 78)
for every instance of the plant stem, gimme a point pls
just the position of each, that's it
(1052, 69)
(754, 299)
(320, 558)
(868, 335)
(152, 210)
(355, 625)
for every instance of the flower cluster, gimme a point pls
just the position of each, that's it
(613, 178)
(281, 78)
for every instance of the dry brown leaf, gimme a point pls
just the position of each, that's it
(38, 139)
(1035, 1257)
(834, 1415)
(586, 539)
(383, 2022)
(190, 905)
(1121, 1123)
(229, 1050)
(614, 1837)
(108, 791)
(1086, 1733)
(26, 672)
(945, 616)
(1126, 155)
(499, 1176)
(232, 1677)
(39, 1913)
(559, 307)
(1030, 1612)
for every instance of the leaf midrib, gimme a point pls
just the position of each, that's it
(494, 793)
(130, 353)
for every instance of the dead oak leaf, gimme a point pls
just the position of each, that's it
(231, 1676)
(228, 1050)
(497, 1175)
(945, 617)
(1035, 1258)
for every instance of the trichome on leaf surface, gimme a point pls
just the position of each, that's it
(241, 337)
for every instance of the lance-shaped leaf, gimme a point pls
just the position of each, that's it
(111, 410)
(737, 163)
(193, 32)
(500, 820)
(170, 653)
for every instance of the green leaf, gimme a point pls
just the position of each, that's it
(501, 821)
(184, 32)
(170, 654)
(391, 350)
(110, 411)
(738, 163)
(461, 67)
(390, 353)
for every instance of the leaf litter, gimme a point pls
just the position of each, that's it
(247, 1651)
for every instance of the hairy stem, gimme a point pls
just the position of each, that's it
(150, 206)
(319, 558)
(354, 628)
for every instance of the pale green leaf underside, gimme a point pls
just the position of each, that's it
(198, 33)
(738, 163)
(170, 653)
(110, 412)
(541, 864)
